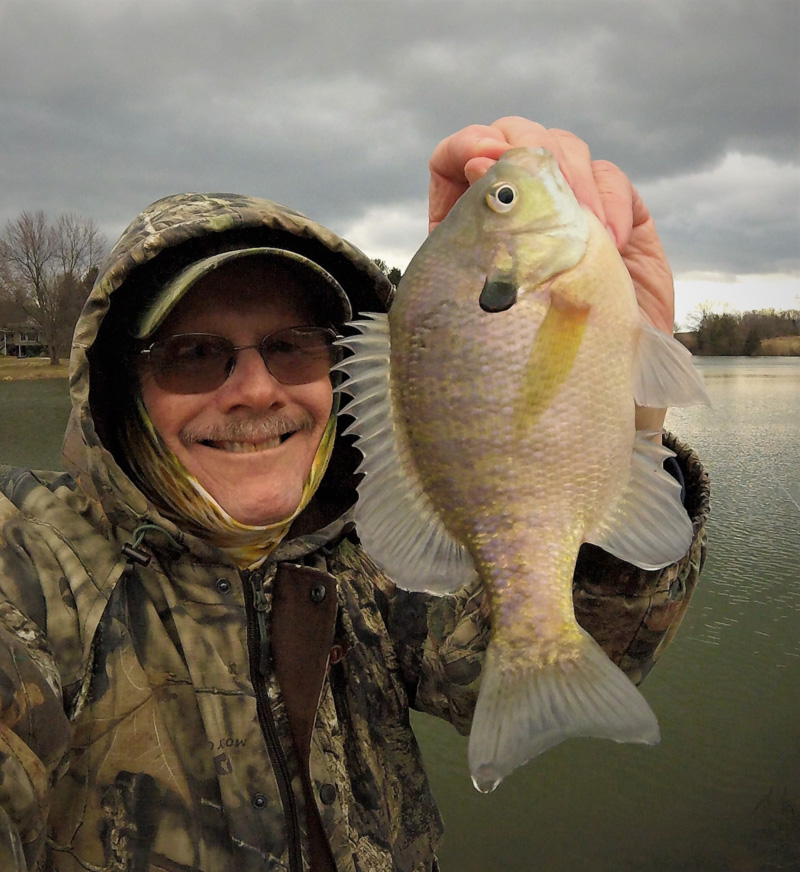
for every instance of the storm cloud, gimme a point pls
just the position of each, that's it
(333, 107)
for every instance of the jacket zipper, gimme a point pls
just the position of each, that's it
(258, 645)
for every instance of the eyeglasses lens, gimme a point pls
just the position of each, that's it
(195, 363)
(299, 355)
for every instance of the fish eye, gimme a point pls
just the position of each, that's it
(502, 197)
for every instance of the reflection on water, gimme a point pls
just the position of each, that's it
(751, 443)
(722, 790)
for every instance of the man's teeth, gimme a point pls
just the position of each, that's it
(246, 447)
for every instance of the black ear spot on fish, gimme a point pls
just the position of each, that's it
(497, 295)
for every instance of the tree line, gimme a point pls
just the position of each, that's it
(742, 333)
(47, 268)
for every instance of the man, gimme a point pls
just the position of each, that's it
(200, 669)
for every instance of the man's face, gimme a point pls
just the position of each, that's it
(219, 436)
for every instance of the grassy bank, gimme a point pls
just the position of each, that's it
(13, 369)
(780, 346)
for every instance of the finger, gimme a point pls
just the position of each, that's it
(641, 214)
(521, 132)
(451, 154)
(618, 196)
(477, 167)
(476, 146)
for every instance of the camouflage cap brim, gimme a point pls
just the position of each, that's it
(173, 292)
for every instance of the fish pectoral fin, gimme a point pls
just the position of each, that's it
(647, 525)
(523, 712)
(664, 374)
(550, 362)
(398, 526)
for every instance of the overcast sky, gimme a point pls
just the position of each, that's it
(333, 107)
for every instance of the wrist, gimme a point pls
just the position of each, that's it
(650, 419)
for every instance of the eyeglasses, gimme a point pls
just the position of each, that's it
(196, 363)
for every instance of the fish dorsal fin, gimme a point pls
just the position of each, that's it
(397, 524)
(664, 374)
(647, 525)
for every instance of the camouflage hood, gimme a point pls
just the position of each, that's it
(165, 238)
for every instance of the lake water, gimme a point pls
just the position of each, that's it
(721, 793)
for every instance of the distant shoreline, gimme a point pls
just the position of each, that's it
(28, 369)
(778, 346)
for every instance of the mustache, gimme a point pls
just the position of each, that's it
(256, 428)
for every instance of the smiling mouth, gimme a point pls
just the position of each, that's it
(236, 447)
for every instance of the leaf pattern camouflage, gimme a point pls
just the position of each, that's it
(142, 725)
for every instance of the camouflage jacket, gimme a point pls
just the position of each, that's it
(161, 710)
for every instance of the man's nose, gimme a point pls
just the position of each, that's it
(251, 383)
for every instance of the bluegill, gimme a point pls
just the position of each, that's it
(495, 411)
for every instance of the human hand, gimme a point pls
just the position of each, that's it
(465, 156)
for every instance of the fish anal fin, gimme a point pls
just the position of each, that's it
(523, 712)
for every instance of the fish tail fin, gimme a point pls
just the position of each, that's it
(523, 712)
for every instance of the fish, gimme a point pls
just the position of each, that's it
(494, 407)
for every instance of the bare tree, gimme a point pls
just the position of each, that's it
(80, 246)
(48, 268)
